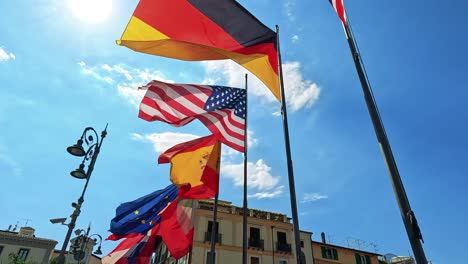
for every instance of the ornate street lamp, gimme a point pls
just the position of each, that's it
(91, 138)
(80, 244)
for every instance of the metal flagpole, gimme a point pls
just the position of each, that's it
(409, 218)
(292, 188)
(194, 221)
(244, 214)
(214, 229)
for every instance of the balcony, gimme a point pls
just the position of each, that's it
(256, 243)
(282, 247)
(218, 238)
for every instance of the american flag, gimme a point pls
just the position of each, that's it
(221, 109)
(340, 10)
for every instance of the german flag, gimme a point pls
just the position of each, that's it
(198, 30)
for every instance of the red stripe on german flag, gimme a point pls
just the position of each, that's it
(197, 30)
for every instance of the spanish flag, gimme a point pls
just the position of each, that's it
(195, 167)
(195, 30)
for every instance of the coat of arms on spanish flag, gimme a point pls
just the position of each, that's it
(195, 167)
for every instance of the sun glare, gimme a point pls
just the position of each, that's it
(91, 11)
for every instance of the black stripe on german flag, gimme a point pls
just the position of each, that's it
(235, 20)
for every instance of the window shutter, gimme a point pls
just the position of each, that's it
(324, 253)
(335, 254)
(368, 260)
(358, 258)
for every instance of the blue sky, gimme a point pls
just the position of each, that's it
(59, 73)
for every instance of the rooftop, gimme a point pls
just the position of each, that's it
(12, 235)
(345, 248)
(227, 207)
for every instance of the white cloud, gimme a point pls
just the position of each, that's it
(251, 140)
(117, 69)
(5, 56)
(289, 6)
(259, 176)
(132, 95)
(163, 141)
(93, 73)
(13, 164)
(295, 38)
(268, 194)
(277, 113)
(313, 197)
(300, 93)
(126, 80)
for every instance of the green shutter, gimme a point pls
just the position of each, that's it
(358, 258)
(324, 254)
(367, 259)
(335, 254)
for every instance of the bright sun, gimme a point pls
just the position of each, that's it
(91, 11)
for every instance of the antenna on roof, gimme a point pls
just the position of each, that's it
(374, 246)
(16, 226)
(9, 227)
(26, 221)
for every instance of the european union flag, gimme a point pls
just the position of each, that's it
(142, 214)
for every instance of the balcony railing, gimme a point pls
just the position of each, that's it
(218, 237)
(256, 243)
(283, 247)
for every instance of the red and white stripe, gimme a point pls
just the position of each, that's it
(339, 8)
(122, 254)
(179, 104)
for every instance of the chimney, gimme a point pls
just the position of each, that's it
(323, 238)
(26, 231)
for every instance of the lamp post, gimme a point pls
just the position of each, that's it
(80, 245)
(89, 136)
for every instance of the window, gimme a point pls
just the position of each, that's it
(362, 259)
(254, 260)
(329, 253)
(255, 233)
(281, 236)
(213, 229)
(282, 261)
(302, 243)
(23, 253)
(210, 227)
(254, 238)
(1, 249)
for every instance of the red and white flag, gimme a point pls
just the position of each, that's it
(221, 109)
(340, 10)
(136, 249)
(176, 227)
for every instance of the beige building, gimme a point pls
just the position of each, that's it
(332, 254)
(270, 237)
(25, 245)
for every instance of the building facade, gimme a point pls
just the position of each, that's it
(25, 245)
(332, 254)
(270, 237)
(270, 240)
